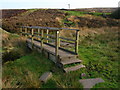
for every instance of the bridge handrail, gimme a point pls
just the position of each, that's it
(50, 28)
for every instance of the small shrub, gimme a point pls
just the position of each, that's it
(68, 23)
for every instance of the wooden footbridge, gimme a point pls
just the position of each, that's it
(47, 40)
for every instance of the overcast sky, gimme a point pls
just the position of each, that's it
(25, 4)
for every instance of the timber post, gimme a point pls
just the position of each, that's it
(77, 41)
(38, 34)
(42, 37)
(57, 45)
(47, 31)
(25, 32)
(32, 37)
(59, 40)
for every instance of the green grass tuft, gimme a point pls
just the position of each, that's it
(75, 13)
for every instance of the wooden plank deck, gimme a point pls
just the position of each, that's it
(51, 49)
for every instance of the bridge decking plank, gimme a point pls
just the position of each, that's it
(51, 49)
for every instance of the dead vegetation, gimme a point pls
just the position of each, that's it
(92, 21)
(7, 13)
(40, 17)
(55, 18)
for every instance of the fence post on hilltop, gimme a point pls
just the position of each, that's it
(32, 37)
(57, 45)
(42, 39)
(77, 41)
(47, 31)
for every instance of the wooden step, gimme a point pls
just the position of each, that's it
(64, 62)
(67, 57)
(73, 68)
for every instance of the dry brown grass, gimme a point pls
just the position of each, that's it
(67, 33)
(5, 34)
(85, 31)
(10, 40)
(30, 81)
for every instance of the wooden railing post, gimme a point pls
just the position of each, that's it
(42, 39)
(59, 39)
(25, 32)
(47, 31)
(38, 34)
(28, 31)
(77, 41)
(57, 45)
(32, 37)
(21, 31)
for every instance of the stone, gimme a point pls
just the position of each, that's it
(89, 83)
(45, 77)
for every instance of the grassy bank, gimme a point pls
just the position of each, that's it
(100, 55)
(26, 71)
(13, 46)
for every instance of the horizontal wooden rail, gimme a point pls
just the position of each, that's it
(44, 28)
(49, 35)
(44, 38)
(68, 42)
(67, 39)
(49, 39)
(37, 36)
(37, 33)
(50, 28)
